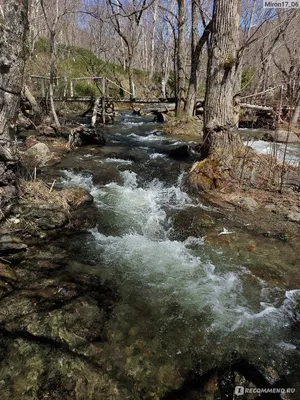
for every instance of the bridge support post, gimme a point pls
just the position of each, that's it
(103, 82)
(95, 111)
(71, 88)
(65, 87)
(163, 88)
(43, 87)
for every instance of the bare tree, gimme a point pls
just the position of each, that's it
(152, 53)
(13, 31)
(167, 42)
(54, 11)
(181, 58)
(130, 33)
(287, 61)
(197, 44)
(221, 101)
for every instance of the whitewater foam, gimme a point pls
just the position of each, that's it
(175, 270)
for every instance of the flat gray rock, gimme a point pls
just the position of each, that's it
(294, 216)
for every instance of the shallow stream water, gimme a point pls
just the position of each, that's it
(189, 299)
(182, 302)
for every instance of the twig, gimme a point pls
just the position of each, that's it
(284, 155)
(4, 260)
(52, 185)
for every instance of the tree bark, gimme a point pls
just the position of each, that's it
(152, 58)
(196, 51)
(52, 76)
(221, 106)
(181, 48)
(296, 113)
(34, 104)
(130, 74)
(13, 31)
(193, 81)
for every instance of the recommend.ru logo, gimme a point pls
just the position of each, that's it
(241, 390)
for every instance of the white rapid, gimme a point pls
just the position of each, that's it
(278, 149)
(162, 270)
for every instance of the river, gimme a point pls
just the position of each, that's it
(188, 302)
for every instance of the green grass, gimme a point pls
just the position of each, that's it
(74, 62)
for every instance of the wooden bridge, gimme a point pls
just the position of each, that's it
(89, 99)
(102, 105)
(69, 95)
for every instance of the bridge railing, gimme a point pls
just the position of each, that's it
(68, 85)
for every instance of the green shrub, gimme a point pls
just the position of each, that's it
(248, 76)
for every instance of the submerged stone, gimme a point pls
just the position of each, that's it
(190, 222)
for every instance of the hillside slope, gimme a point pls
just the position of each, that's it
(75, 62)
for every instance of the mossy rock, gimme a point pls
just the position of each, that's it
(207, 175)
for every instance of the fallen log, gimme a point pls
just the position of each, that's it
(34, 104)
(256, 107)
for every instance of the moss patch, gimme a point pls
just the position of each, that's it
(184, 127)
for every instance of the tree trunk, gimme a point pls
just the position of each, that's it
(196, 51)
(221, 106)
(34, 104)
(296, 113)
(13, 30)
(130, 74)
(193, 81)
(154, 17)
(52, 77)
(181, 47)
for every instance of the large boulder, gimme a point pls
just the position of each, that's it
(44, 216)
(77, 197)
(185, 151)
(91, 136)
(161, 117)
(39, 155)
(180, 152)
(207, 175)
(83, 135)
(281, 136)
(46, 130)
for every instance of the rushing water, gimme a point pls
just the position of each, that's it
(182, 302)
